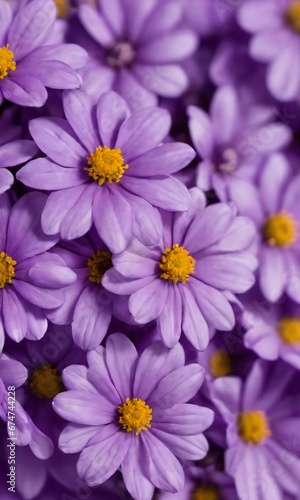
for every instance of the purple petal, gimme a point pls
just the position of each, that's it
(282, 83)
(14, 315)
(169, 48)
(75, 378)
(147, 303)
(41, 297)
(134, 472)
(95, 25)
(112, 111)
(194, 325)
(168, 80)
(164, 192)
(170, 319)
(16, 152)
(115, 283)
(24, 90)
(184, 447)
(56, 139)
(99, 462)
(143, 131)
(147, 222)
(92, 316)
(84, 408)
(99, 376)
(113, 218)
(273, 273)
(225, 114)
(273, 181)
(183, 419)
(43, 172)
(177, 387)
(78, 111)
(154, 364)
(118, 348)
(201, 131)
(75, 437)
(25, 237)
(114, 15)
(52, 74)
(31, 26)
(6, 180)
(133, 91)
(164, 160)
(169, 478)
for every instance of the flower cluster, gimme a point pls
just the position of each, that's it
(149, 249)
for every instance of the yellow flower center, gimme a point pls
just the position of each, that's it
(289, 330)
(177, 264)
(135, 415)
(106, 165)
(220, 364)
(62, 7)
(46, 382)
(205, 493)
(253, 427)
(98, 264)
(7, 62)
(280, 230)
(7, 269)
(292, 16)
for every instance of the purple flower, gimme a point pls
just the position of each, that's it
(274, 207)
(19, 425)
(272, 330)
(233, 141)
(138, 49)
(31, 279)
(187, 281)
(133, 414)
(27, 64)
(88, 306)
(262, 430)
(275, 25)
(109, 171)
(13, 151)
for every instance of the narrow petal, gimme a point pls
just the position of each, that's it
(169, 48)
(184, 447)
(163, 192)
(112, 216)
(14, 315)
(177, 387)
(56, 139)
(170, 319)
(95, 25)
(118, 348)
(143, 131)
(146, 304)
(273, 273)
(24, 90)
(75, 437)
(6, 180)
(225, 114)
(155, 362)
(282, 83)
(164, 160)
(183, 419)
(78, 111)
(16, 152)
(201, 131)
(43, 172)
(82, 407)
(194, 325)
(112, 111)
(166, 80)
(92, 316)
(134, 473)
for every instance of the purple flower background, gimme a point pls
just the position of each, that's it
(149, 249)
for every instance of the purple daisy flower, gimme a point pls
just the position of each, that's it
(19, 425)
(275, 25)
(109, 170)
(133, 415)
(272, 330)
(13, 151)
(27, 64)
(233, 140)
(274, 207)
(138, 49)
(187, 281)
(88, 306)
(31, 279)
(262, 429)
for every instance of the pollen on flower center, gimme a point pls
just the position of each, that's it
(289, 330)
(98, 264)
(46, 382)
(205, 493)
(7, 62)
(62, 7)
(121, 55)
(7, 269)
(106, 165)
(280, 230)
(220, 364)
(177, 264)
(292, 16)
(253, 427)
(135, 415)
